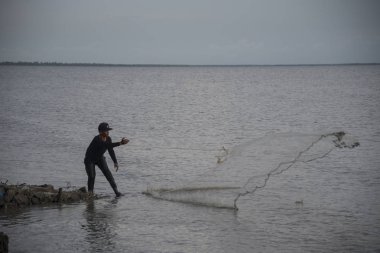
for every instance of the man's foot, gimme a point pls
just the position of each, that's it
(118, 194)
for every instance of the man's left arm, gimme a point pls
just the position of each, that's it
(112, 152)
(122, 142)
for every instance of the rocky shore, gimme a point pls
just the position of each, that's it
(16, 196)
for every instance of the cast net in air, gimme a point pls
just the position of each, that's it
(249, 167)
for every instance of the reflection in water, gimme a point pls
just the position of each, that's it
(99, 229)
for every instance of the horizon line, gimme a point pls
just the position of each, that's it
(36, 63)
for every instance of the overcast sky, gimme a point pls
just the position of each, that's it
(191, 31)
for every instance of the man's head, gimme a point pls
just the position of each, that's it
(104, 127)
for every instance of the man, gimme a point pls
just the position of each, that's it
(94, 156)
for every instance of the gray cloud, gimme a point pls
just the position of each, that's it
(191, 32)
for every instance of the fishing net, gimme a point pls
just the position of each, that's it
(248, 167)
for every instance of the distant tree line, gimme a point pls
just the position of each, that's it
(36, 63)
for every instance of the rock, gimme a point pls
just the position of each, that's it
(3, 243)
(9, 194)
(35, 201)
(59, 195)
(48, 186)
(45, 197)
(43, 188)
(40, 196)
(75, 196)
(64, 197)
(14, 196)
(21, 199)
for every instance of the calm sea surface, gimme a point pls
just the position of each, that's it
(178, 120)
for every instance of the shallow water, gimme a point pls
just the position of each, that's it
(178, 120)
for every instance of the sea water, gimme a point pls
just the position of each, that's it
(181, 121)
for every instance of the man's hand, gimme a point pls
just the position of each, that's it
(116, 166)
(124, 141)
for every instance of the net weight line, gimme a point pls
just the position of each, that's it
(276, 171)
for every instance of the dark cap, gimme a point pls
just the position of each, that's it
(104, 127)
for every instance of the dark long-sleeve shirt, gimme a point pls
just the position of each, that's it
(97, 148)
